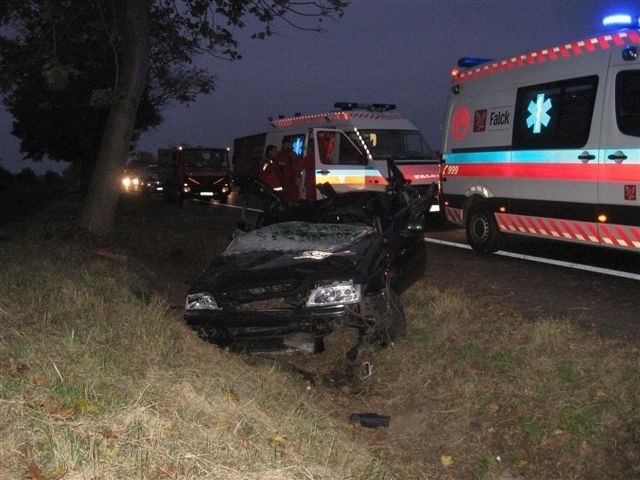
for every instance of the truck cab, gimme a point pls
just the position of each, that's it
(195, 173)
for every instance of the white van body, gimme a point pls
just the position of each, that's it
(363, 138)
(547, 144)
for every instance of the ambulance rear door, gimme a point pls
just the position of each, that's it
(619, 182)
(340, 163)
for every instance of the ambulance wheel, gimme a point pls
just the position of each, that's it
(482, 230)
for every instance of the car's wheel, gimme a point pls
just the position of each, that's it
(384, 318)
(482, 230)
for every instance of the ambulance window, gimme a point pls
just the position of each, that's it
(335, 148)
(628, 102)
(396, 144)
(349, 154)
(297, 143)
(554, 115)
(327, 146)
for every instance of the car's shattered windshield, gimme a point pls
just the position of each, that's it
(298, 237)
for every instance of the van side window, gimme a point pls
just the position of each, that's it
(335, 148)
(628, 102)
(554, 115)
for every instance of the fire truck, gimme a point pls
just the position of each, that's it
(348, 148)
(547, 144)
(194, 173)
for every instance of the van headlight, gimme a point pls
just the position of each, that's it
(201, 301)
(339, 293)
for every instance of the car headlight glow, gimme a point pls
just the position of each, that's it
(334, 294)
(126, 181)
(201, 301)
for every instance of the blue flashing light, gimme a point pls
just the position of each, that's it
(620, 20)
(470, 62)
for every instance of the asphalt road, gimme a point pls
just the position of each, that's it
(594, 287)
(603, 260)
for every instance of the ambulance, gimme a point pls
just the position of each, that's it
(547, 144)
(347, 148)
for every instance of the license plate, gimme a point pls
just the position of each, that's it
(206, 194)
(435, 208)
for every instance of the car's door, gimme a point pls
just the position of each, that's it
(339, 162)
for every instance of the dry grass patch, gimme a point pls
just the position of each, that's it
(100, 379)
(478, 393)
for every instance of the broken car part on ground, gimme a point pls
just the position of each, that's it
(340, 261)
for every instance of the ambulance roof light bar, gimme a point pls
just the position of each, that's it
(470, 62)
(374, 107)
(621, 20)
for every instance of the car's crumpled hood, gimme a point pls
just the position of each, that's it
(271, 272)
(263, 267)
(306, 259)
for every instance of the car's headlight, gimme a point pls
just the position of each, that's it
(201, 301)
(334, 294)
(126, 181)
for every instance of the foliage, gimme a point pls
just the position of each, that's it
(65, 64)
(6, 177)
(26, 176)
(59, 65)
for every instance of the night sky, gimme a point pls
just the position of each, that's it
(384, 51)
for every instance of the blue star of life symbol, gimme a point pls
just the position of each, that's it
(297, 146)
(539, 117)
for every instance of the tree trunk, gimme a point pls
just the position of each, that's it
(99, 211)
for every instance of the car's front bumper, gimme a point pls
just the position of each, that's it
(228, 326)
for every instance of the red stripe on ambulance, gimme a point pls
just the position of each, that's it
(582, 232)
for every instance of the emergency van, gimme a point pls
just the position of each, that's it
(547, 144)
(348, 148)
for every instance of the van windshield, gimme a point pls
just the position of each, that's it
(397, 145)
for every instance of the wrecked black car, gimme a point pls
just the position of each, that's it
(340, 261)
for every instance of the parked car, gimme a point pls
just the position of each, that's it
(340, 261)
(150, 181)
(134, 174)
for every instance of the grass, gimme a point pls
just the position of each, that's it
(504, 398)
(99, 378)
(100, 382)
